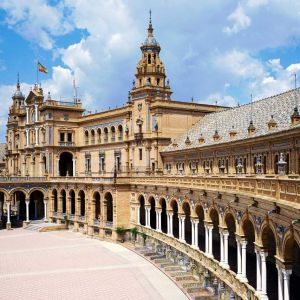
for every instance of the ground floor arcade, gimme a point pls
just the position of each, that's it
(259, 255)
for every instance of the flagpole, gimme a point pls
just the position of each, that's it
(37, 74)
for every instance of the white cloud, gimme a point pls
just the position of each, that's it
(36, 21)
(240, 64)
(239, 19)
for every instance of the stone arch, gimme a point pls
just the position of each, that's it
(142, 217)
(55, 200)
(108, 201)
(175, 207)
(37, 189)
(20, 197)
(105, 131)
(152, 202)
(63, 196)
(72, 197)
(269, 242)
(81, 195)
(19, 189)
(97, 204)
(231, 226)
(291, 255)
(186, 207)
(120, 132)
(36, 205)
(249, 232)
(199, 212)
(163, 205)
(214, 218)
(6, 194)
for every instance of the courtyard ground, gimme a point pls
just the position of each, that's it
(66, 265)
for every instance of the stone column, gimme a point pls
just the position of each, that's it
(148, 209)
(27, 137)
(35, 209)
(57, 167)
(170, 223)
(138, 215)
(286, 283)
(27, 115)
(206, 239)
(196, 222)
(183, 228)
(225, 236)
(180, 227)
(258, 272)
(36, 136)
(263, 256)
(27, 201)
(74, 167)
(221, 247)
(8, 224)
(45, 210)
(36, 113)
(158, 219)
(244, 257)
(210, 240)
(280, 282)
(239, 260)
(193, 232)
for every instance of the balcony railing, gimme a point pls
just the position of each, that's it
(108, 224)
(66, 144)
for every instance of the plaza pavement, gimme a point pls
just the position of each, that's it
(66, 265)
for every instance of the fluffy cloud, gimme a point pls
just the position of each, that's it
(239, 19)
(36, 20)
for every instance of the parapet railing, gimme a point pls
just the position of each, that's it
(241, 289)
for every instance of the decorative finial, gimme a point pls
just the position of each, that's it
(251, 121)
(150, 21)
(150, 28)
(18, 82)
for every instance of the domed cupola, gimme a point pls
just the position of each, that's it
(150, 44)
(18, 98)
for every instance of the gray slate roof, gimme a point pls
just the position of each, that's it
(2, 152)
(280, 106)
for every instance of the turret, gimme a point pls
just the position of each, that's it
(18, 99)
(150, 71)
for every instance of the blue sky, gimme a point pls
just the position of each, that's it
(213, 50)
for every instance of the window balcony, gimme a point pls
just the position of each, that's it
(66, 144)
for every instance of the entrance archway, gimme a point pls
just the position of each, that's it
(174, 206)
(66, 164)
(72, 199)
(82, 203)
(109, 207)
(97, 206)
(36, 206)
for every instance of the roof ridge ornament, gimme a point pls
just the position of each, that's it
(295, 117)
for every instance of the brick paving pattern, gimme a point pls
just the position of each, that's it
(65, 265)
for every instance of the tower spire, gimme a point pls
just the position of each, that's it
(18, 82)
(150, 28)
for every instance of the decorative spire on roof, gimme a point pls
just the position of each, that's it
(272, 124)
(232, 132)
(251, 127)
(295, 117)
(216, 136)
(187, 140)
(201, 139)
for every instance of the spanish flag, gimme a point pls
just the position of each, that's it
(41, 68)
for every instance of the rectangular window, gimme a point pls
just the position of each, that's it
(141, 154)
(88, 163)
(101, 162)
(69, 137)
(62, 137)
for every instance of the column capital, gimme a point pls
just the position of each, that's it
(286, 272)
(27, 200)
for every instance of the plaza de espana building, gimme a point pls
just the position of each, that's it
(217, 186)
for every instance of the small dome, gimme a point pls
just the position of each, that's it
(18, 94)
(150, 41)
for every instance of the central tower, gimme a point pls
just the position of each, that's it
(150, 71)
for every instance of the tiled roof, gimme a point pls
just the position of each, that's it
(2, 152)
(281, 107)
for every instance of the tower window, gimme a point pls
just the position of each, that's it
(157, 81)
(154, 57)
(141, 154)
(140, 82)
(149, 58)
